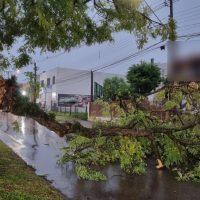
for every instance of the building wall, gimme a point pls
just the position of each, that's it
(68, 81)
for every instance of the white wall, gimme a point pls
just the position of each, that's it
(69, 81)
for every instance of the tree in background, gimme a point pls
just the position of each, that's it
(34, 86)
(115, 88)
(143, 78)
(63, 24)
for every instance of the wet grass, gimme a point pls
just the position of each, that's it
(62, 117)
(19, 182)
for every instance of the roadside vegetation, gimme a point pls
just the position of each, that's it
(19, 182)
(138, 133)
(169, 131)
(64, 116)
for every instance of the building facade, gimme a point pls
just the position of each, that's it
(65, 87)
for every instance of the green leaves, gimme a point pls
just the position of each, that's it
(131, 156)
(89, 174)
(169, 105)
(175, 101)
(64, 24)
(115, 88)
(143, 78)
(22, 60)
(172, 155)
(91, 154)
(174, 139)
(160, 96)
(34, 86)
(192, 175)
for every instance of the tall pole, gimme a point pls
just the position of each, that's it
(172, 25)
(172, 38)
(35, 83)
(92, 86)
(171, 9)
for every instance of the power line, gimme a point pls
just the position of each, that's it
(191, 35)
(155, 4)
(75, 80)
(124, 61)
(183, 13)
(187, 10)
(189, 25)
(75, 76)
(98, 68)
(153, 11)
(128, 57)
(188, 20)
(118, 46)
(189, 14)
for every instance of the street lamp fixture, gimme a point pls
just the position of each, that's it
(24, 93)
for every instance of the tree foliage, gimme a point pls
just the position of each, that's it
(114, 89)
(172, 136)
(18, 104)
(34, 86)
(100, 150)
(52, 25)
(143, 78)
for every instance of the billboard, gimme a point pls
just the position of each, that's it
(67, 100)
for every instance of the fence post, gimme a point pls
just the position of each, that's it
(88, 110)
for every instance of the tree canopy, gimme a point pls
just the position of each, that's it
(114, 89)
(170, 135)
(34, 86)
(143, 78)
(52, 25)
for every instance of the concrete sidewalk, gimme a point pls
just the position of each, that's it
(86, 124)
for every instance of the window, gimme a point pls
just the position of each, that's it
(42, 83)
(48, 82)
(53, 80)
(98, 91)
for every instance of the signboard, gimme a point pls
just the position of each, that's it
(67, 100)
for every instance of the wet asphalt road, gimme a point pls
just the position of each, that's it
(41, 149)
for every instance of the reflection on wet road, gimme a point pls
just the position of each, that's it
(41, 148)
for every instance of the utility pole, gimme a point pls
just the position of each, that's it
(35, 69)
(171, 9)
(92, 86)
(172, 39)
(172, 25)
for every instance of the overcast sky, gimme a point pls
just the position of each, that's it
(186, 12)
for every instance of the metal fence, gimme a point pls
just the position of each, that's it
(71, 109)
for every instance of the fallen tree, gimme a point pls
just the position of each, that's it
(132, 139)
(138, 135)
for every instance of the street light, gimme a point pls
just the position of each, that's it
(23, 92)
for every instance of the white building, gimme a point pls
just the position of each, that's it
(65, 87)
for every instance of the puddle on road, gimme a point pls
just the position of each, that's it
(41, 149)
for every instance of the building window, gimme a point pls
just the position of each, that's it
(53, 80)
(98, 90)
(42, 83)
(48, 82)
